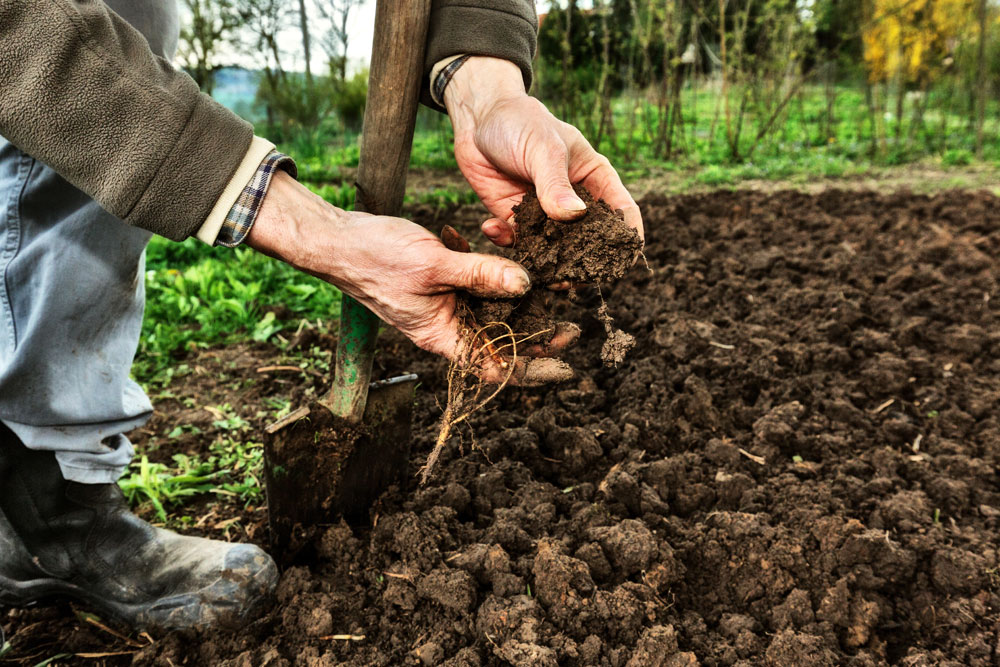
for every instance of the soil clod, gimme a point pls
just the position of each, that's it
(597, 248)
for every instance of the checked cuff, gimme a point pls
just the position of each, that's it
(242, 215)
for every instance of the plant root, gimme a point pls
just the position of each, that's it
(618, 342)
(466, 389)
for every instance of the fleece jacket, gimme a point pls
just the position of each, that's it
(81, 91)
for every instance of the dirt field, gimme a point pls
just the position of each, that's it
(797, 465)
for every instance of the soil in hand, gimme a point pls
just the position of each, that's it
(597, 248)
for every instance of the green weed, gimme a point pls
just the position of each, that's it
(199, 297)
(163, 486)
(341, 196)
(244, 463)
(956, 157)
(233, 470)
(443, 197)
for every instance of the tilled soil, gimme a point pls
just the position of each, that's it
(797, 465)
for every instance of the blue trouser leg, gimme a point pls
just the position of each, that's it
(71, 302)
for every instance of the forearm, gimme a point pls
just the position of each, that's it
(81, 91)
(286, 225)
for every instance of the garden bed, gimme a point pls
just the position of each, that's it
(797, 464)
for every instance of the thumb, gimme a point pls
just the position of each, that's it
(484, 275)
(550, 172)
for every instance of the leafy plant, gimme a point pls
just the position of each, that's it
(956, 157)
(199, 296)
(164, 487)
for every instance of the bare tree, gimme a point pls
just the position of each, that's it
(263, 20)
(304, 26)
(212, 24)
(981, 83)
(334, 40)
(606, 120)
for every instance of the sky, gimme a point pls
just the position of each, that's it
(361, 25)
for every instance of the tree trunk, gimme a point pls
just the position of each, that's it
(981, 80)
(567, 62)
(900, 90)
(343, 42)
(605, 123)
(304, 24)
(725, 79)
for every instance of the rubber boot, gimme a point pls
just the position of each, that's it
(60, 538)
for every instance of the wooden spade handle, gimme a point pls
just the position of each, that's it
(397, 71)
(394, 82)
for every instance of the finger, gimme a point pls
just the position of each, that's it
(602, 181)
(566, 335)
(482, 275)
(453, 240)
(500, 232)
(538, 372)
(550, 174)
(633, 218)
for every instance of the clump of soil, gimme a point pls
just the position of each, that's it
(597, 248)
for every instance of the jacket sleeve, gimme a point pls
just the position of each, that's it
(81, 91)
(505, 29)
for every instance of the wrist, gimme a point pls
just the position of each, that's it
(479, 86)
(286, 225)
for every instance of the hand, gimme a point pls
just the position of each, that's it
(506, 141)
(397, 269)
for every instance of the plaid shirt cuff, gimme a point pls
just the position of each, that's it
(242, 215)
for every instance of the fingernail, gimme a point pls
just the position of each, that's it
(515, 281)
(572, 203)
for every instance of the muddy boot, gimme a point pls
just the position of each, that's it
(60, 538)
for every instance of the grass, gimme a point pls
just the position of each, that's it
(164, 486)
(233, 471)
(805, 143)
(199, 297)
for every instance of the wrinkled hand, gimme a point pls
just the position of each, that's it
(396, 268)
(506, 141)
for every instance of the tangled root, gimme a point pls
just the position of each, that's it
(465, 389)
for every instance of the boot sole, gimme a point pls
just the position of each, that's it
(179, 612)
